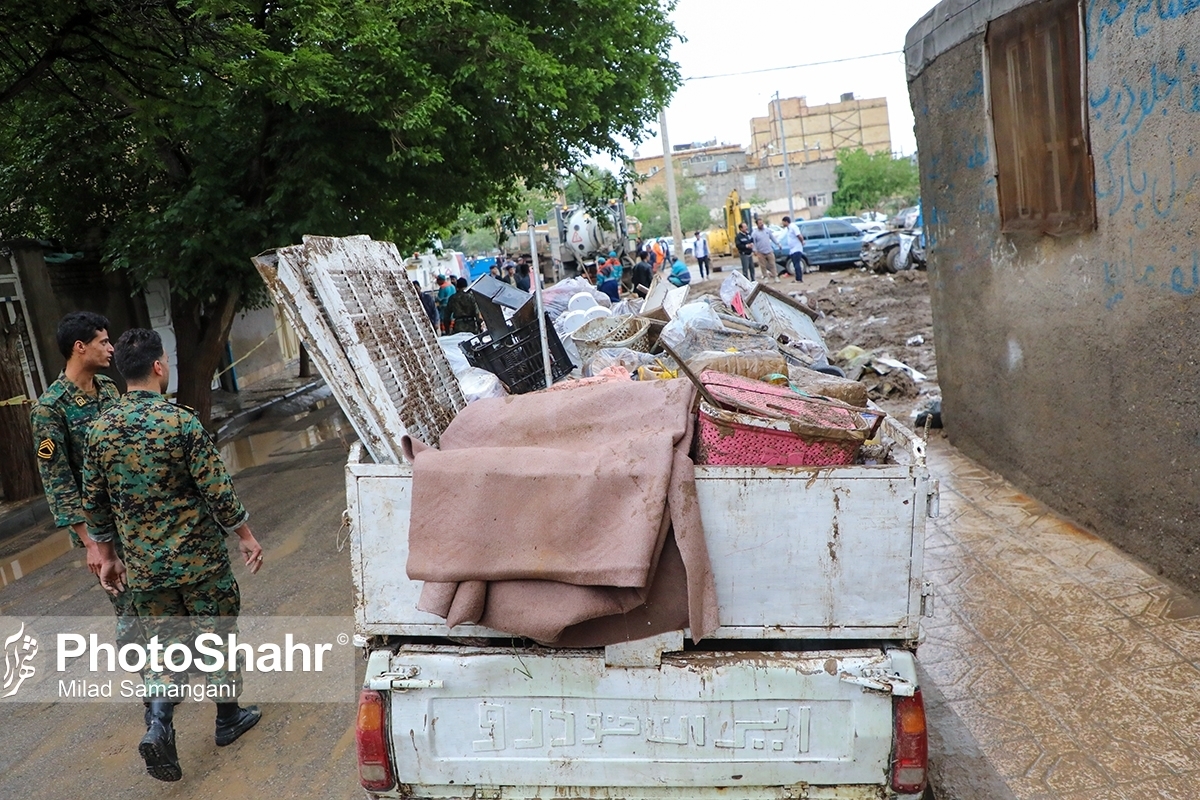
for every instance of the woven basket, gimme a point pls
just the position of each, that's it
(629, 332)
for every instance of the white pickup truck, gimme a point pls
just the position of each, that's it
(808, 689)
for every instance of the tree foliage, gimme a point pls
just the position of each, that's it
(652, 211)
(865, 180)
(180, 137)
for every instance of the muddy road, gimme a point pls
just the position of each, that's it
(291, 482)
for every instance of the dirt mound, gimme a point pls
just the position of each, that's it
(889, 315)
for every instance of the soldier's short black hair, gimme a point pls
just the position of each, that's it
(78, 326)
(136, 351)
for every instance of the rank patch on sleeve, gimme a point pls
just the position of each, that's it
(46, 449)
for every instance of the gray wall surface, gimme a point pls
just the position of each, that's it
(1070, 364)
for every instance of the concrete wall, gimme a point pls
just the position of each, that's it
(263, 342)
(1069, 364)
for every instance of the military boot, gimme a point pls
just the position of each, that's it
(157, 747)
(233, 721)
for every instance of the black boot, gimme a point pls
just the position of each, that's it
(146, 714)
(233, 721)
(157, 747)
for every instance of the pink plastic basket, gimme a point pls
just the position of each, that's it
(765, 425)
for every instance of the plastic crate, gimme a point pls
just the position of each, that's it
(516, 357)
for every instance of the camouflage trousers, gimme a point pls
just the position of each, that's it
(179, 614)
(129, 627)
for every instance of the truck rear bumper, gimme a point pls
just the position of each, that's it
(500, 724)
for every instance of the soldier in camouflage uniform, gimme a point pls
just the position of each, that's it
(154, 482)
(61, 419)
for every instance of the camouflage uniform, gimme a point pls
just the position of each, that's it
(154, 481)
(61, 419)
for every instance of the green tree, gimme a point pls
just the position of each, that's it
(652, 211)
(179, 137)
(865, 179)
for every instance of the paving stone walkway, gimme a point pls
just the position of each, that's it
(1076, 669)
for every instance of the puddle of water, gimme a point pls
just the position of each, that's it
(259, 448)
(35, 557)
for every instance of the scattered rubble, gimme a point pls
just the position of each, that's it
(889, 318)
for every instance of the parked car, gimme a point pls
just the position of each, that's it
(906, 218)
(830, 242)
(866, 226)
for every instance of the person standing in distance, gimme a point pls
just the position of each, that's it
(700, 252)
(764, 249)
(745, 248)
(154, 482)
(61, 419)
(794, 242)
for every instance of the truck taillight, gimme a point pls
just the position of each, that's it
(374, 766)
(911, 756)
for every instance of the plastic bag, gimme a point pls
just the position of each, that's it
(627, 307)
(451, 347)
(736, 283)
(753, 364)
(623, 357)
(477, 384)
(688, 319)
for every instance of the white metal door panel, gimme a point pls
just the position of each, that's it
(796, 553)
(822, 550)
(379, 319)
(285, 274)
(499, 718)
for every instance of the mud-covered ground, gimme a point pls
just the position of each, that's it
(888, 315)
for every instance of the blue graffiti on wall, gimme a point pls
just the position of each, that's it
(970, 96)
(1181, 279)
(1104, 14)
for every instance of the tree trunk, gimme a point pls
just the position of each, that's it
(201, 329)
(18, 470)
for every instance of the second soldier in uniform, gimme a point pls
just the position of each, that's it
(154, 482)
(61, 419)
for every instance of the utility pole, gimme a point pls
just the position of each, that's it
(672, 199)
(787, 169)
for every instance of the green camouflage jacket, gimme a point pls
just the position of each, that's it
(154, 479)
(61, 418)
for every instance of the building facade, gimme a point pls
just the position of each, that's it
(814, 133)
(716, 170)
(1059, 162)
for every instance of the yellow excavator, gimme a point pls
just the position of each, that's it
(721, 240)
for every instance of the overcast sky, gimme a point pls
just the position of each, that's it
(745, 35)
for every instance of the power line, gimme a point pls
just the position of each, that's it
(794, 66)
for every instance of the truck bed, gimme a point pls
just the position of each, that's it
(798, 553)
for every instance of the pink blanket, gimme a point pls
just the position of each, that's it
(566, 517)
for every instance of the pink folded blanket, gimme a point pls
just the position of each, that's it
(566, 517)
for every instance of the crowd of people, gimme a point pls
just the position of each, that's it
(451, 309)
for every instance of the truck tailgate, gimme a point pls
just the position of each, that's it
(476, 719)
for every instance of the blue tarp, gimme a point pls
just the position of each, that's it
(481, 266)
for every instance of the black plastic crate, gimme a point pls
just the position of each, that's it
(516, 357)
